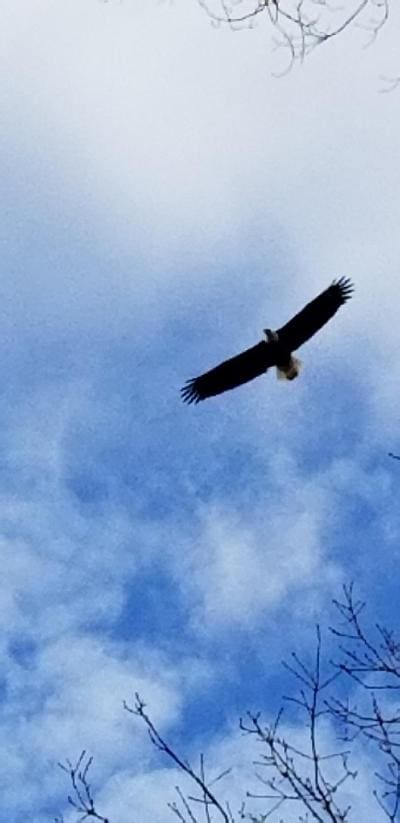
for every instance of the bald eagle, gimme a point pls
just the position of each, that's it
(276, 350)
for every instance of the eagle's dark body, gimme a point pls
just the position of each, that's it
(276, 350)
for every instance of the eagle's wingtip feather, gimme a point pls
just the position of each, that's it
(189, 393)
(345, 286)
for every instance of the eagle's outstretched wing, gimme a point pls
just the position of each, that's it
(315, 314)
(229, 374)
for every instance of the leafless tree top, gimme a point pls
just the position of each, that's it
(301, 25)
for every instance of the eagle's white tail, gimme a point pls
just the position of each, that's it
(290, 371)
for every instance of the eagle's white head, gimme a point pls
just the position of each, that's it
(272, 336)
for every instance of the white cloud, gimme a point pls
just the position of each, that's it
(246, 559)
(185, 141)
(75, 701)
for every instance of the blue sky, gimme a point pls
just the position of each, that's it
(164, 199)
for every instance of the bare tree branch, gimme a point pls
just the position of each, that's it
(354, 695)
(208, 798)
(374, 665)
(302, 775)
(82, 799)
(300, 25)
